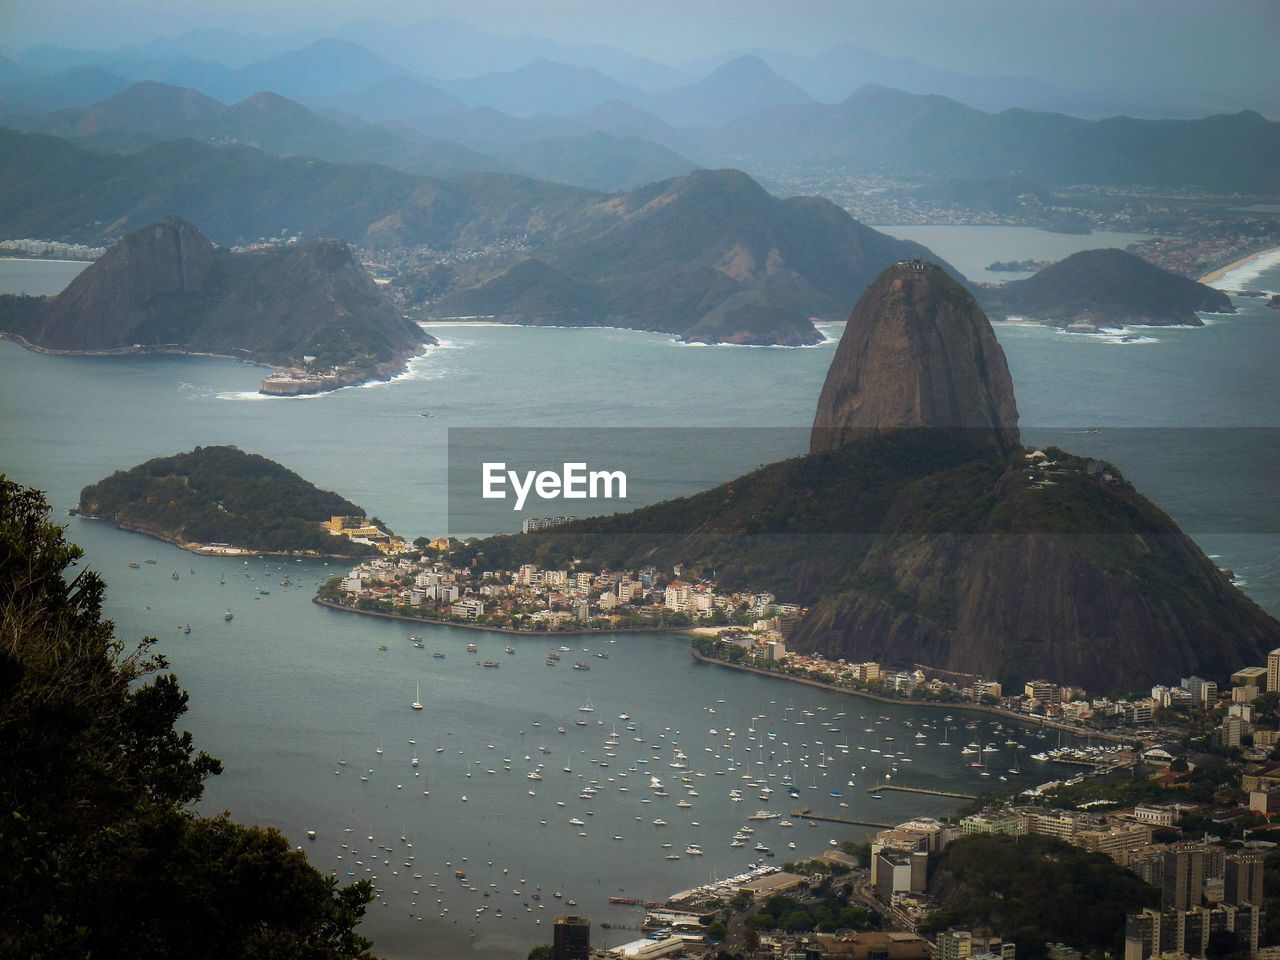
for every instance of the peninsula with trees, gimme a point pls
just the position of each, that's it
(223, 500)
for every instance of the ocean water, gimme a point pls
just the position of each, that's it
(38, 278)
(286, 689)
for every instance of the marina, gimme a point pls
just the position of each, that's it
(668, 777)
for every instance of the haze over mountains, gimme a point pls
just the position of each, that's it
(219, 62)
(741, 112)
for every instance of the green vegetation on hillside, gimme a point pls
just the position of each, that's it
(1004, 884)
(900, 543)
(102, 854)
(166, 286)
(223, 495)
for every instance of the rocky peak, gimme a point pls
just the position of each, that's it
(917, 352)
(135, 276)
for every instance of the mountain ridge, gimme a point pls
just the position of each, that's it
(712, 246)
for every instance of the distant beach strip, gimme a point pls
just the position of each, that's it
(1247, 269)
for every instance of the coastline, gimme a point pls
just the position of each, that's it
(381, 373)
(489, 628)
(131, 351)
(208, 550)
(1220, 272)
(495, 320)
(932, 704)
(45, 260)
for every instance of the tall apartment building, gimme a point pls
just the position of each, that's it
(1203, 692)
(1182, 876)
(1242, 876)
(1153, 933)
(1273, 669)
(900, 871)
(572, 939)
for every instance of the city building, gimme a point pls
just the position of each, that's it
(899, 872)
(1045, 692)
(1255, 677)
(1155, 933)
(1007, 822)
(1242, 875)
(1182, 876)
(1203, 692)
(874, 945)
(572, 939)
(1117, 841)
(955, 945)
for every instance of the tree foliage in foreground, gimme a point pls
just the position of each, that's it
(102, 856)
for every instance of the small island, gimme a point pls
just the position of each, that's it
(308, 309)
(1098, 289)
(223, 500)
(1018, 266)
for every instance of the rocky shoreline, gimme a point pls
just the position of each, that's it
(285, 383)
(280, 383)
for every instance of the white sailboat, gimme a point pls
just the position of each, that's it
(417, 696)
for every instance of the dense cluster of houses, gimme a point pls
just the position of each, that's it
(531, 597)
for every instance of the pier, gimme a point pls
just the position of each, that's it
(925, 790)
(805, 814)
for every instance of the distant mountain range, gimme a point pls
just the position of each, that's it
(450, 50)
(734, 89)
(1107, 288)
(149, 112)
(741, 111)
(888, 131)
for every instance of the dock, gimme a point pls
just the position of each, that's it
(805, 814)
(925, 790)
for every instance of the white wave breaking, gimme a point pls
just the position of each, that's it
(1244, 275)
(416, 369)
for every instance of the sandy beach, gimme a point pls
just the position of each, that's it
(1215, 275)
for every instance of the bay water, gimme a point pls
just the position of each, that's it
(286, 690)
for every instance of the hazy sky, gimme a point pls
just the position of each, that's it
(1152, 44)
